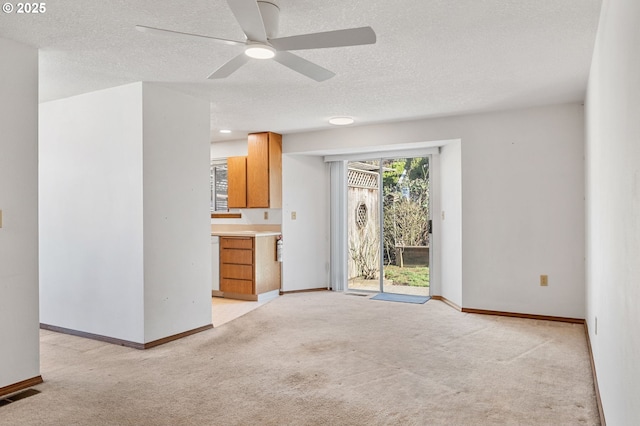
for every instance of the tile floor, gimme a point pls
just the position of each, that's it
(224, 310)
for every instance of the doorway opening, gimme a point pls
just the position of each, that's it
(388, 225)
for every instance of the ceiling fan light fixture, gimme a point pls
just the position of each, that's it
(258, 20)
(341, 121)
(260, 51)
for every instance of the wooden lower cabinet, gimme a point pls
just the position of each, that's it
(236, 286)
(248, 265)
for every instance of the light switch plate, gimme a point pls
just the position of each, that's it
(293, 215)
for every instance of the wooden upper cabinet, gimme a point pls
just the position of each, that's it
(237, 182)
(264, 170)
(275, 171)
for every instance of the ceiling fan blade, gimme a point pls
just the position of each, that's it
(230, 67)
(247, 13)
(338, 38)
(159, 31)
(304, 67)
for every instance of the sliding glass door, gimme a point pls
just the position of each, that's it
(364, 225)
(388, 225)
(405, 206)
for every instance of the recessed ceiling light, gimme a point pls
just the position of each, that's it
(225, 131)
(341, 121)
(260, 51)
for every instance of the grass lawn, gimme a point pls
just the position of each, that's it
(417, 277)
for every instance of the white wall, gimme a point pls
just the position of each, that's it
(305, 191)
(19, 331)
(124, 229)
(91, 213)
(522, 194)
(177, 242)
(523, 211)
(237, 148)
(613, 210)
(252, 217)
(449, 220)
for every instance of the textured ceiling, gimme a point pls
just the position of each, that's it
(432, 57)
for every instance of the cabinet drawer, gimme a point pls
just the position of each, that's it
(240, 272)
(236, 242)
(236, 286)
(237, 256)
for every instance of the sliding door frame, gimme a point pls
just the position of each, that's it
(338, 212)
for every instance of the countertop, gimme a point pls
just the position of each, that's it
(246, 233)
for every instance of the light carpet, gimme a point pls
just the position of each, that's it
(324, 359)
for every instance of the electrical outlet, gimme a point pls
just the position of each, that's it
(544, 280)
(266, 215)
(596, 327)
(293, 215)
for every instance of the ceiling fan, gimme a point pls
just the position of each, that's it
(259, 22)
